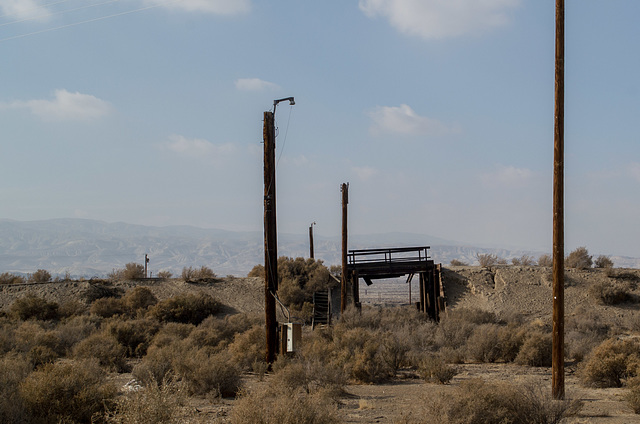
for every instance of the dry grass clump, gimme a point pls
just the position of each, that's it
(610, 363)
(71, 391)
(33, 307)
(153, 404)
(186, 308)
(480, 402)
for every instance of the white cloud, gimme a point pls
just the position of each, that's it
(364, 173)
(65, 106)
(23, 9)
(437, 19)
(403, 120)
(196, 147)
(254, 84)
(507, 177)
(220, 7)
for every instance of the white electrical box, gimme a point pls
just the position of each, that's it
(293, 333)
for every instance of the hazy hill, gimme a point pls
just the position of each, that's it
(93, 248)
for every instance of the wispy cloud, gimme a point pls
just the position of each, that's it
(364, 173)
(24, 9)
(405, 121)
(65, 106)
(220, 7)
(437, 19)
(507, 177)
(254, 84)
(197, 147)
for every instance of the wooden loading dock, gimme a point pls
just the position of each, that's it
(376, 264)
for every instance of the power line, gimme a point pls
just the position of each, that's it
(87, 21)
(34, 8)
(60, 12)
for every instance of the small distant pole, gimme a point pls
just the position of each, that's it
(344, 188)
(146, 263)
(557, 359)
(311, 240)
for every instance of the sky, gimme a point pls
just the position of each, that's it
(439, 114)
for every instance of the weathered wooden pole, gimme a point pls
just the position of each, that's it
(344, 188)
(557, 359)
(270, 237)
(311, 255)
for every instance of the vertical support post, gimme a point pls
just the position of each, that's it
(558, 212)
(344, 188)
(270, 237)
(146, 265)
(311, 241)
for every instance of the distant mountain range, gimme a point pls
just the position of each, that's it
(93, 248)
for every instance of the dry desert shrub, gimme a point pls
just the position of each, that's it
(71, 391)
(38, 342)
(633, 394)
(134, 334)
(479, 402)
(105, 349)
(186, 308)
(208, 374)
(107, 307)
(536, 350)
(611, 293)
(153, 404)
(434, 369)
(139, 298)
(310, 376)
(164, 275)
(219, 332)
(172, 332)
(603, 261)
(457, 262)
(579, 259)
(13, 370)
(611, 362)
(248, 348)
(487, 259)
(33, 307)
(493, 342)
(77, 328)
(197, 274)
(273, 406)
(8, 278)
(40, 276)
(131, 271)
(524, 260)
(545, 260)
(157, 365)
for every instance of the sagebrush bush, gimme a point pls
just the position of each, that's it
(434, 369)
(487, 259)
(154, 404)
(208, 374)
(66, 392)
(545, 260)
(164, 275)
(633, 395)
(31, 306)
(536, 350)
(134, 334)
(185, 308)
(479, 402)
(157, 365)
(172, 332)
(524, 260)
(40, 276)
(13, 371)
(579, 259)
(457, 262)
(131, 271)
(603, 261)
(139, 298)
(107, 307)
(195, 274)
(608, 293)
(610, 363)
(311, 376)
(248, 347)
(8, 278)
(105, 348)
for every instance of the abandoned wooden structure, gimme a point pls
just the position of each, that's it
(375, 264)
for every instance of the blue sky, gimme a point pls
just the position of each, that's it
(438, 113)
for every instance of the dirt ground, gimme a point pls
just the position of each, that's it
(507, 291)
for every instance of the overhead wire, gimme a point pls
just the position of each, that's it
(34, 8)
(100, 18)
(59, 12)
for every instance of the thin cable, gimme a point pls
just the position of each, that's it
(87, 21)
(286, 132)
(60, 12)
(34, 8)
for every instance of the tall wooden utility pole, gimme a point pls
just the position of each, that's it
(270, 236)
(344, 188)
(557, 359)
(311, 241)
